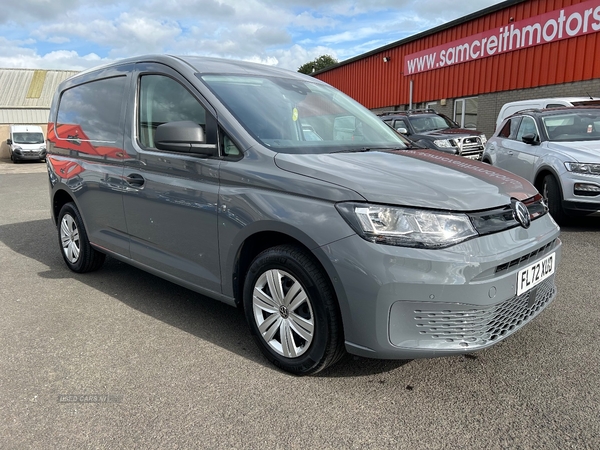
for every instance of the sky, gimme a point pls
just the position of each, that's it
(78, 34)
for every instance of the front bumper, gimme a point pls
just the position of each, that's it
(29, 156)
(574, 199)
(402, 303)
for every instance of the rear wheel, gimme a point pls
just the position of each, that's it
(292, 311)
(75, 247)
(552, 194)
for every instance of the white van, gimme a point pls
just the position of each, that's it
(542, 103)
(26, 143)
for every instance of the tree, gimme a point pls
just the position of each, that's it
(319, 63)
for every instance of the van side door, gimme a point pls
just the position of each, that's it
(86, 155)
(172, 196)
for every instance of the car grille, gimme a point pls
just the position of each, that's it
(481, 326)
(542, 251)
(471, 147)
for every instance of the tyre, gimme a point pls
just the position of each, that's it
(552, 194)
(292, 311)
(74, 244)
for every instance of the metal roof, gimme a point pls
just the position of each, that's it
(29, 88)
(26, 94)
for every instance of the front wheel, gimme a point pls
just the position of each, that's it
(292, 311)
(75, 247)
(552, 194)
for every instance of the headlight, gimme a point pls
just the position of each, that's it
(483, 139)
(42, 148)
(587, 169)
(444, 143)
(407, 227)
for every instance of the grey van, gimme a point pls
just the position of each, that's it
(274, 192)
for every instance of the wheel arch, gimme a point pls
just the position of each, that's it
(542, 172)
(259, 240)
(60, 198)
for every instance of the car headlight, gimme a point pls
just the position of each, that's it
(407, 227)
(483, 139)
(584, 168)
(444, 143)
(42, 148)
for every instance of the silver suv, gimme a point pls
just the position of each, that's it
(274, 192)
(558, 150)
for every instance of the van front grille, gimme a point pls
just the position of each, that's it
(478, 327)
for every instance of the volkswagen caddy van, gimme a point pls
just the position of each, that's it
(274, 192)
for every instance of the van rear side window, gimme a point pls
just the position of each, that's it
(92, 111)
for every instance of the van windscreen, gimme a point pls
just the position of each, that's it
(295, 116)
(28, 138)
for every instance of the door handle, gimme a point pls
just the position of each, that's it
(135, 180)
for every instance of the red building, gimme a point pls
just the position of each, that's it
(468, 68)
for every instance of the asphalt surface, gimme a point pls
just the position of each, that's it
(121, 359)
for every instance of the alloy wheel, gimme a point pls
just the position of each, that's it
(69, 238)
(283, 313)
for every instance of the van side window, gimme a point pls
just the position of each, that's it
(162, 100)
(92, 111)
(229, 148)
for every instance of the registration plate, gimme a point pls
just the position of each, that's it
(534, 274)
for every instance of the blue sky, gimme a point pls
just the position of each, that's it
(77, 34)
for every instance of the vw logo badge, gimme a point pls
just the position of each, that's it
(283, 311)
(521, 213)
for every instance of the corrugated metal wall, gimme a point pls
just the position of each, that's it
(29, 88)
(379, 84)
(25, 98)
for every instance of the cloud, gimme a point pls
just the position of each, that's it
(13, 54)
(286, 33)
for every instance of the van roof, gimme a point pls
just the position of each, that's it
(555, 99)
(207, 65)
(520, 105)
(25, 129)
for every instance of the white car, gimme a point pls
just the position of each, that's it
(558, 150)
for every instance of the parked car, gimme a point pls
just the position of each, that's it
(26, 143)
(274, 192)
(510, 108)
(430, 129)
(556, 149)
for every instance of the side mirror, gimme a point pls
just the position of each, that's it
(183, 137)
(531, 139)
(9, 141)
(402, 130)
